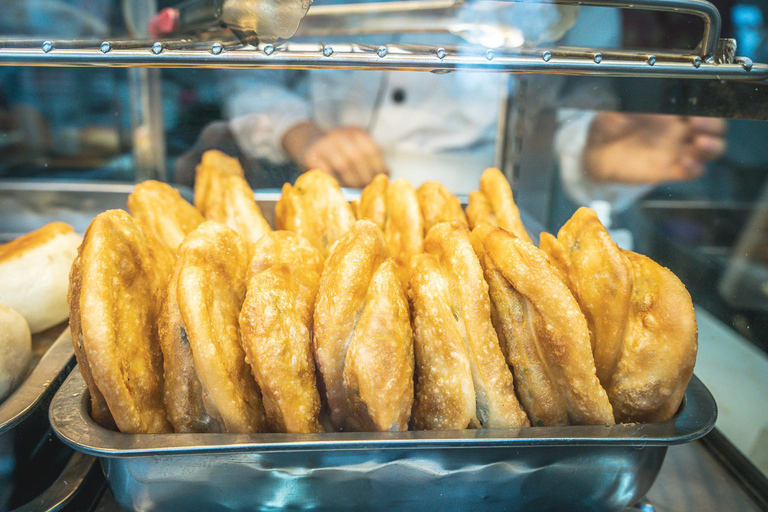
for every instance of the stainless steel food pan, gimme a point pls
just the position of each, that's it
(598, 468)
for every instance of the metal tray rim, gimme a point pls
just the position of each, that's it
(23, 401)
(70, 420)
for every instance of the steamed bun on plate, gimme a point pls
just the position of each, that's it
(15, 350)
(34, 274)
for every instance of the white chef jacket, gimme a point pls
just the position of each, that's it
(428, 126)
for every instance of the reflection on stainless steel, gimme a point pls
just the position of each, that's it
(607, 468)
(65, 488)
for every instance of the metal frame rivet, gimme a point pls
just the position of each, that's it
(490, 54)
(440, 53)
(47, 46)
(269, 49)
(746, 63)
(651, 60)
(697, 62)
(327, 51)
(216, 48)
(598, 58)
(105, 47)
(157, 48)
(546, 55)
(382, 51)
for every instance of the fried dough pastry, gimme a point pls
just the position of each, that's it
(161, 211)
(276, 326)
(115, 289)
(496, 404)
(445, 394)
(315, 208)
(394, 207)
(211, 289)
(660, 346)
(438, 205)
(599, 277)
(211, 170)
(235, 206)
(339, 305)
(184, 394)
(495, 205)
(378, 368)
(543, 331)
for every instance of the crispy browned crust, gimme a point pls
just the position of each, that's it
(445, 393)
(404, 226)
(315, 208)
(25, 243)
(184, 400)
(546, 335)
(660, 346)
(275, 323)
(496, 188)
(99, 409)
(497, 406)
(600, 279)
(339, 306)
(211, 289)
(378, 370)
(438, 204)
(122, 279)
(161, 211)
(236, 207)
(479, 210)
(213, 167)
(373, 201)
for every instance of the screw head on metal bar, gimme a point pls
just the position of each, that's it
(598, 58)
(216, 48)
(440, 53)
(490, 54)
(651, 60)
(382, 51)
(157, 48)
(546, 56)
(269, 49)
(746, 63)
(697, 62)
(47, 46)
(105, 47)
(327, 51)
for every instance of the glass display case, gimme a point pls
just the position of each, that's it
(652, 113)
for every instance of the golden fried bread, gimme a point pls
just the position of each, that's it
(404, 227)
(497, 406)
(479, 210)
(276, 326)
(184, 395)
(235, 206)
(445, 394)
(660, 346)
(438, 205)
(33, 274)
(211, 289)
(378, 369)
(119, 278)
(340, 301)
(600, 279)
(545, 333)
(315, 208)
(373, 201)
(161, 211)
(209, 174)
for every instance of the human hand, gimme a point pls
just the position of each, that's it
(348, 153)
(650, 148)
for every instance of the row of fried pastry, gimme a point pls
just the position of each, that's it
(193, 326)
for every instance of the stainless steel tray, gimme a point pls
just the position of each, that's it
(599, 468)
